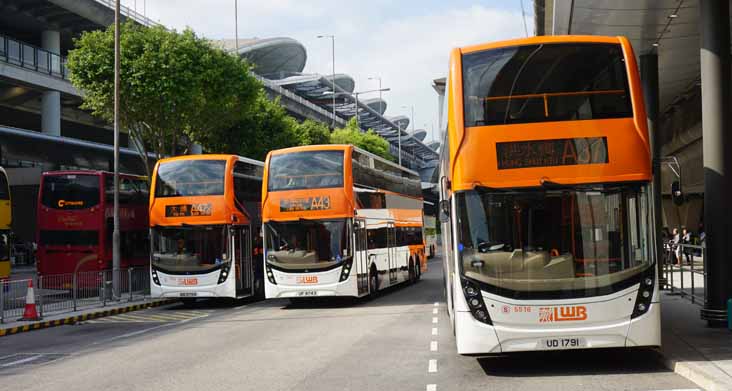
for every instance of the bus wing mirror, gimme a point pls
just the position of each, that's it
(676, 194)
(444, 211)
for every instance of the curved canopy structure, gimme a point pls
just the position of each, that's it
(273, 58)
(420, 134)
(377, 104)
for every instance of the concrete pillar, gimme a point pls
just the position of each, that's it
(51, 100)
(649, 79)
(715, 77)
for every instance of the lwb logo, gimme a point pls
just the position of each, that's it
(561, 314)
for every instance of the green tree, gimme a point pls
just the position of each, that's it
(310, 132)
(176, 88)
(368, 140)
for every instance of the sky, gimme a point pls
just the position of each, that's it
(405, 42)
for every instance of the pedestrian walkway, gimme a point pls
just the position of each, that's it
(150, 316)
(86, 314)
(693, 350)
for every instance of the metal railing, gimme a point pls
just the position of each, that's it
(32, 57)
(130, 13)
(683, 271)
(69, 292)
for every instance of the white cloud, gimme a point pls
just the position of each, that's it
(376, 38)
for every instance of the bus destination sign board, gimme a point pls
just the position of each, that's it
(556, 152)
(305, 204)
(187, 210)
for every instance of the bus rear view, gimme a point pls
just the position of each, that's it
(546, 200)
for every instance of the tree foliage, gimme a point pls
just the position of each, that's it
(368, 140)
(175, 88)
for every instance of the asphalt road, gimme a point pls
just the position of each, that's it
(388, 343)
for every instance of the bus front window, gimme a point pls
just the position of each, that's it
(194, 250)
(307, 244)
(563, 240)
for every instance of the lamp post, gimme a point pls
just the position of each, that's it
(332, 51)
(356, 94)
(236, 27)
(115, 211)
(381, 104)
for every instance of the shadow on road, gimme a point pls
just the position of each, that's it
(577, 362)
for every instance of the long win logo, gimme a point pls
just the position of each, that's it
(561, 314)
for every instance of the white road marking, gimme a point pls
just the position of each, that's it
(432, 367)
(434, 320)
(21, 361)
(433, 346)
(683, 389)
(432, 387)
(434, 311)
(437, 304)
(434, 331)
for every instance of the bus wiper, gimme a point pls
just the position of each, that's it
(487, 189)
(547, 184)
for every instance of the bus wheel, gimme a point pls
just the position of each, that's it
(373, 282)
(417, 270)
(412, 275)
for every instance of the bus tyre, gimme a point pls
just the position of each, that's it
(373, 282)
(417, 270)
(412, 272)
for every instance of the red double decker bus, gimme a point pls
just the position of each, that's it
(75, 224)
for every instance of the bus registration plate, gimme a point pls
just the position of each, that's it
(188, 294)
(563, 343)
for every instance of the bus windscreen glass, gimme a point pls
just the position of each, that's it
(305, 170)
(598, 237)
(543, 83)
(186, 178)
(306, 244)
(70, 191)
(188, 249)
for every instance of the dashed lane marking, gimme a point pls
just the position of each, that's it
(433, 346)
(432, 368)
(432, 387)
(434, 320)
(437, 304)
(151, 317)
(434, 331)
(434, 311)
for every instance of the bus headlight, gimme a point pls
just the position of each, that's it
(346, 271)
(645, 293)
(224, 272)
(155, 277)
(270, 276)
(475, 302)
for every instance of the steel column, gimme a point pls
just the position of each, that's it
(715, 75)
(649, 79)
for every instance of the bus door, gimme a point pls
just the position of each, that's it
(361, 257)
(244, 269)
(392, 252)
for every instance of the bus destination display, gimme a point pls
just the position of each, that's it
(187, 210)
(556, 152)
(304, 204)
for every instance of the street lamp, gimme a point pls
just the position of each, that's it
(115, 210)
(332, 41)
(400, 133)
(356, 94)
(381, 104)
(236, 27)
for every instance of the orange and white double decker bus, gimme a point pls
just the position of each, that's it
(339, 221)
(205, 227)
(546, 207)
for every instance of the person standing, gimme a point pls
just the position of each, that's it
(686, 239)
(675, 248)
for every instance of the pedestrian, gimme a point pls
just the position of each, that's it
(674, 246)
(686, 240)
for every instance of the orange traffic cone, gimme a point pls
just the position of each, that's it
(30, 304)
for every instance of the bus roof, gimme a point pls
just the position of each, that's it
(212, 157)
(540, 40)
(87, 172)
(338, 147)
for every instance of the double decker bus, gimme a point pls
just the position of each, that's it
(205, 227)
(339, 221)
(75, 221)
(546, 207)
(6, 218)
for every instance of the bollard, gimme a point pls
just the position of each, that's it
(3, 285)
(40, 296)
(73, 288)
(729, 314)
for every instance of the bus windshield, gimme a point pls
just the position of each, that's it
(184, 178)
(70, 191)
(306, 170)
(570, 239)
(189, 249)
(548, 82)
(307, 244)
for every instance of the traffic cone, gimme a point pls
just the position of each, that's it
(30, 304)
